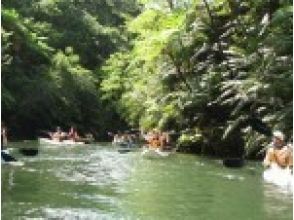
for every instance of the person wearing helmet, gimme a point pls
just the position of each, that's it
(279, 153)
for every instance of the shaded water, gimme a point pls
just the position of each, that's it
(97, 182)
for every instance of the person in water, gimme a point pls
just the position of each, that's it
(279, 153)
(130, 139)
(58, 135)
(4, 141)
(164, 141)
(3, 136)
(154, 140)
(116, 139)
(73, 134)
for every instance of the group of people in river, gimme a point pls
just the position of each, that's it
(153, 139)
(60, 135)
(124, 139)
(158, 140)
(72, 135)
(279, 153)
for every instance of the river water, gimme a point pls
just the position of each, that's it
(98, 182)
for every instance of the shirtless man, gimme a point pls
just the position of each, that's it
(58, 135)
(73, 134)
(279, 153)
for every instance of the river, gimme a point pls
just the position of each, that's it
(98, 182)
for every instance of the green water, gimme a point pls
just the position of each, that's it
(97, 182)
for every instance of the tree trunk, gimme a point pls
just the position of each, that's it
(170, 4)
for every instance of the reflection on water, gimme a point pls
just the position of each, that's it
(97, 182)
(105, 168)
(277, 201)
(76, 213)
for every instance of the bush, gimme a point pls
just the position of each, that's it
(190, 142)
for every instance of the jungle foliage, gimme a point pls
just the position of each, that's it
(218, 74)
(52, 51)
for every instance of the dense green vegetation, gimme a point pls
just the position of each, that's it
(218, 73)
(52, 52)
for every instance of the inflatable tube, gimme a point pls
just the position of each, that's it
(29, 151)
(6, 158)
(233, 162)
(59, 143)
(281, 177)
(124, 150)
(154, 153)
